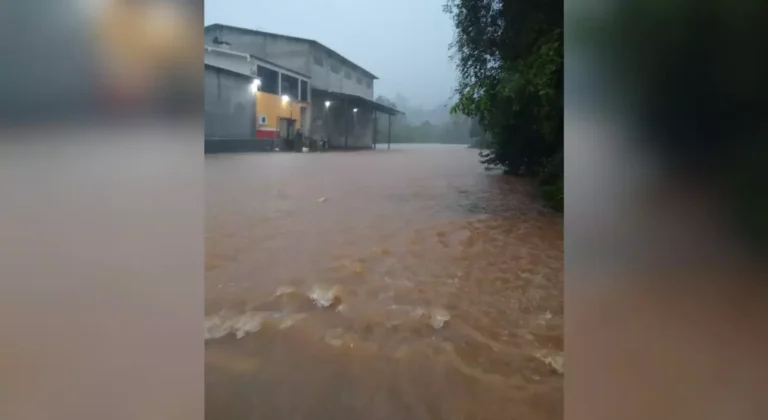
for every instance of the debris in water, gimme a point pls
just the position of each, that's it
(321, 200)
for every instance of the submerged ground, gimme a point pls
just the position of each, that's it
(402, 284)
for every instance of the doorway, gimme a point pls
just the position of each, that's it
(287, 128)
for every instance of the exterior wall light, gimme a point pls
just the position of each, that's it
(255, 85)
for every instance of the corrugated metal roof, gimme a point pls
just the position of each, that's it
(255, 31)
(355, 99)
(257, 59)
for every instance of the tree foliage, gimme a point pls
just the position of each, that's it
(509, 54)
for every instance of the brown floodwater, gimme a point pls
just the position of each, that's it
(401, 284)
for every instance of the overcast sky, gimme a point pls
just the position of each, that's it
(403, 42)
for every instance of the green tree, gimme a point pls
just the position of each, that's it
(509, 54)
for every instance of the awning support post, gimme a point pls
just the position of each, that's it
(375, 127)
(346, 124)
(389, 133)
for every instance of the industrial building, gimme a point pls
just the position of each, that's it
(261, 87)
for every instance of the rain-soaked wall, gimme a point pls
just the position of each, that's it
(230, 113)
(229, 105)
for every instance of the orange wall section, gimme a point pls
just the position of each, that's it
(273, 107)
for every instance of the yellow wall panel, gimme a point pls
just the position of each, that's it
(273, 108)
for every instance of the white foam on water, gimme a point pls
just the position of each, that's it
(438, 318)
(284, 290)
(554, 360)
(335, 337)
(398, 282)
(218, 326)
(290, 319)
(324, 296)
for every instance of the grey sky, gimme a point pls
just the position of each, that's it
(403, 42)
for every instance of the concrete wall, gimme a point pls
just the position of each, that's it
(229, 106)
(289, 53)
(324, 78)
(230, 119)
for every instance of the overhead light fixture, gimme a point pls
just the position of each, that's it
(255, 85)
(327, 104)
(285, 98)
(354, 110)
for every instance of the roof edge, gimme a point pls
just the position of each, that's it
(227, 70)
(279, 68)
(359, 67)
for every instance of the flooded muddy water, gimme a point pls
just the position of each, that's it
(401, 284)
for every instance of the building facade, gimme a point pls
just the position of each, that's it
(328, 69)
(334, 95)
(279, 103)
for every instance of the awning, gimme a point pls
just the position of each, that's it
(357, 101)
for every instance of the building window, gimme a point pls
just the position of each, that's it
(318, 61)
(304, 93)
(359, 80)
(369, 83)
(269, 77)
(335, 67)
(290, 86)
(347, 74)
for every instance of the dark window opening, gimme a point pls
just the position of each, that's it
(335, 67)
(369, 83)
(359, 80)
(318, 61)
(218, 41)
(268, 78)
(290, 86)
(304, 91)
(347, 75)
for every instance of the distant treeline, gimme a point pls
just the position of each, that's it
(455, 129)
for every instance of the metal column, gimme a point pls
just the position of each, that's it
(375, 127)
(346, 124)
(389, 133)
